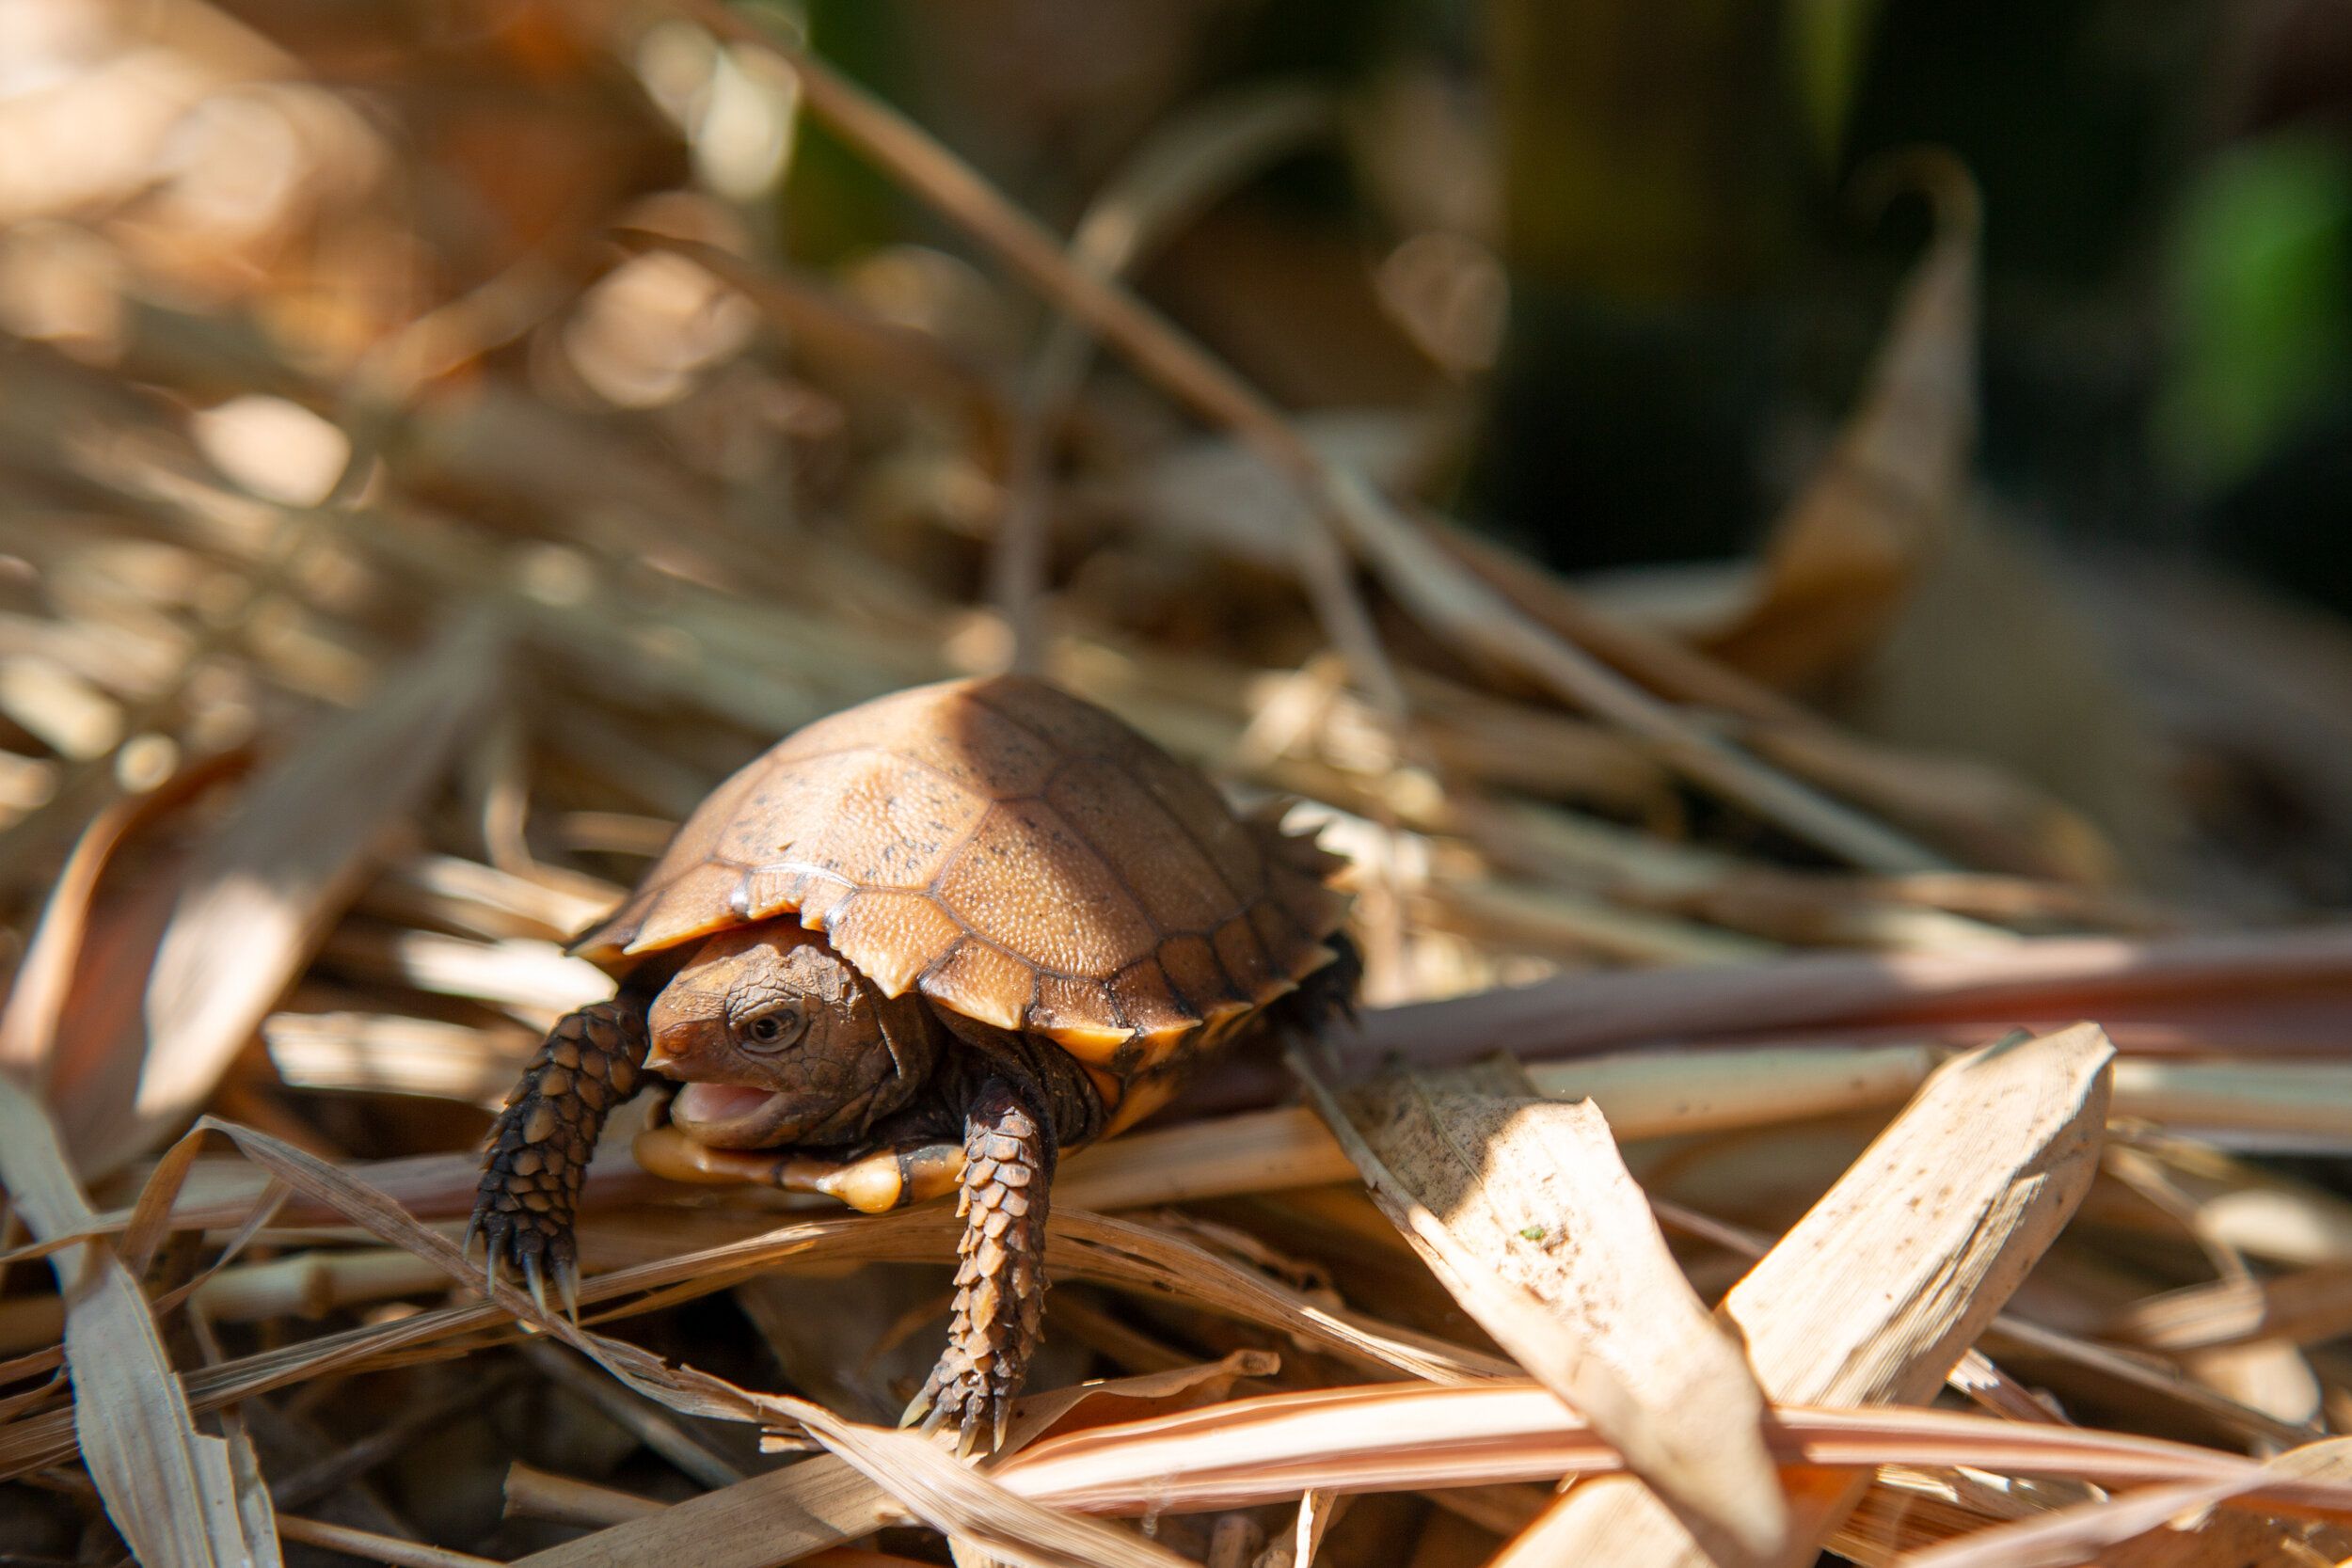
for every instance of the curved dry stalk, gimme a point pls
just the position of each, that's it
(1275, 1446)
(950, 183)
(1182, 169)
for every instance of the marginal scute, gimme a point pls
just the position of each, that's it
(1162, 1022)
(1018, 855)
(775, 889)
(981, 982)
(1088, 1042)
(1066, 1010)
(901, 932)
(1191, 966)
(821, 899)
(698, 901)
(1276, 927)
(1243, 955)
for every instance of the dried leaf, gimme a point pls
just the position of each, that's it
(1523, 1208)
(255, 1508)
(1897, 1269)
(1840, 558)
(175, 1495)
(262, 891)
(1108, 1400)
(169, 1490)
(37, 1001)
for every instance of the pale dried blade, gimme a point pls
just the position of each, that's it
(261, 892)
(1524, 1211)
(1847, 547)
(1877, 1291)
(168, 1489)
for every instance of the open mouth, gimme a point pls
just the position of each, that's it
(729, 1116)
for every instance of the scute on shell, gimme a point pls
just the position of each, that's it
(1021, 855)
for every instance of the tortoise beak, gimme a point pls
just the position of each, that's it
(683, 1045)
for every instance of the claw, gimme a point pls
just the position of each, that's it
(923, 1410)
(473, 1234)
(528, 1192)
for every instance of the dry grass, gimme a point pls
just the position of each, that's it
(1723, 1138)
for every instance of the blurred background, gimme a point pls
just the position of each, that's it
(1601, 281)
(1858, 476)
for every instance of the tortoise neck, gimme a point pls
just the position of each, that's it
(916, 1041)
(1047, 1076)
(646, 974)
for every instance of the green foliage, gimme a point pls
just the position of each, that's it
(2259, 260)
(836, 203)
(1827, 41)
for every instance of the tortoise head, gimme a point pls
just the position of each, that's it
(779, 1040)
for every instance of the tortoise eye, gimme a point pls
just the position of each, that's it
(774, 1031)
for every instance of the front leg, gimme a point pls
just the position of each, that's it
(1008, 1153)
(592, 1061)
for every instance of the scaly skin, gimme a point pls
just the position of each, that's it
(1000, 1283)
(592, 1061)
(1017, 1099)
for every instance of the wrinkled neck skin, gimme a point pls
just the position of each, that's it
(1048, 1078)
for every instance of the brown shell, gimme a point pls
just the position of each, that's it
(1019, 855)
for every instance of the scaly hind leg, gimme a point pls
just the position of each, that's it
(1009, 1154)
(539, 1150)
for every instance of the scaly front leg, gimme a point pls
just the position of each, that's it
(1009, 1157)
(539, 1146)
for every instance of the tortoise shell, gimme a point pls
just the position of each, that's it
(1019, 856)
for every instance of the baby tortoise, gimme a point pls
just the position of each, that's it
(930, 941)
